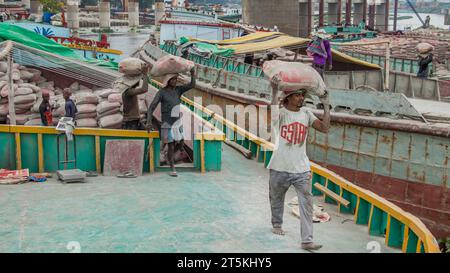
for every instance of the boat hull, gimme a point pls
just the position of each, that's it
(404, 163)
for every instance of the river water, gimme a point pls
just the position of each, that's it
(127, 42)
(436, 20)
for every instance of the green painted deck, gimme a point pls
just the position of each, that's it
(225, 211)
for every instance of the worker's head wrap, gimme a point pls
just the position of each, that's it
(321, 33)
(125, 82)
(167, 78)
(284, 95)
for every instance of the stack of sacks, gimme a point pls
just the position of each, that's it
(24, 89)
(86, 103)
(35, 118)
(109, 114)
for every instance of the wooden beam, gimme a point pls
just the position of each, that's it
(97, 155)
(40, 154)
(18, 152)
(239, 148)
(151, 155)
(202, 155)
(332, 195)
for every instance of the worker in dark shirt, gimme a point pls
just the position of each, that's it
(131, 114)
(71, 108)
(45, 110)
(171, 129)
(424, 61)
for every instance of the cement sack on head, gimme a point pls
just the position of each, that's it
(86, 115)
(109, 113)
(33, 122)
(424, 48)
(87, 108)
(170, 64)
(115, 98)
(87, 122)
(24, 99)
(86, 99)
(295, 76)
(111, 121)
(131, 66)
(106, 106)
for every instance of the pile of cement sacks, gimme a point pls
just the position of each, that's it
(96, 107)
(402, 47)
(26, 89)
(109, 110)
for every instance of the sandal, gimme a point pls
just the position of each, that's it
(173, 174)
(127, 175)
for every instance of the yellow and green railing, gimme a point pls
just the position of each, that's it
(383, 218)
(36, 148)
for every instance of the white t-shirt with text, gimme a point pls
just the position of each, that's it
(290, 132)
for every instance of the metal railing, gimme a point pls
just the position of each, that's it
(219, 62)
(383, 218)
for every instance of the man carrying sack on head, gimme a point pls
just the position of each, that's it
(320, 49)
(170, 98)
(289, 165)
(133, 83)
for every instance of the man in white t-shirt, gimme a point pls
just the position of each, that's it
(289, 165)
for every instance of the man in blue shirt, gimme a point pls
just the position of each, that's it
(71, 108)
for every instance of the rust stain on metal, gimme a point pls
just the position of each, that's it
(418, 177)
(394, 138)
(358, 154)
(385, 139)
(375, 152)
(408, 169)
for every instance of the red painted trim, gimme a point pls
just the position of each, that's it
(79, 41)
(172, 22)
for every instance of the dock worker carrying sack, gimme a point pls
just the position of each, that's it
(294, 76)
(171, 65)
(424, 48)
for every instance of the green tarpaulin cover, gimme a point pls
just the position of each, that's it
(214, 49)
(34, 40)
